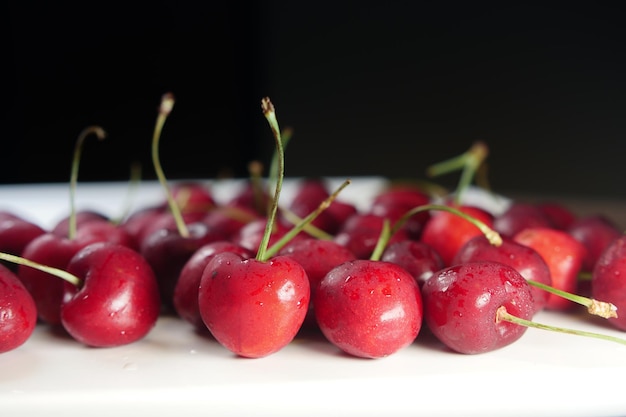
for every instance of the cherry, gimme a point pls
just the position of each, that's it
(317, 257)
(416, 257)
(193, 197)
(518, 216)
(55, 251)
(62, 227)
(185, 295)
(18, 312)
(394, 202)
(564, 256)
(595, 232)
(255, 306)
(15, 234)
(369, 308)
(447, 232)
(361, 231)
(560, 215)
(229, 220)
(608, 279)
(523, 258)
(462, 303)
(118, 302)
(251, 234)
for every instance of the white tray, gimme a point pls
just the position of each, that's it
(174, 371)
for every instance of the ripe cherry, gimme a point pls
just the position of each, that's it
(18, 312)
(462, 304)
(417, 257)
(564, 256)
(595, 232)
(523, 258)
(369, 308)
(185, 295)
(608, 280)
(519, 216)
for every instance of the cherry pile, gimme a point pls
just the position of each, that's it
(253, 271)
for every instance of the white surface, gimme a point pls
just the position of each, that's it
(174, 371)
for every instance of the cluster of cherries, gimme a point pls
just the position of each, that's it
(254, 273)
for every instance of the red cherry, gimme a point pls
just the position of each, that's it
(251, 234)
(18, 312)
(253, 308)
(523, 258)
(118, 302)
(360, 234)
(517, 217)
(229, 220)
(104, 231)
(447, 232)
(461, 306)
(167, 251)
(564, 256)
(608, 280)
(54, 251)
(418, 258)
(369, 308)
(185, 297)
(15, 234)
(560, 216)
(317, 257)
(62, 226)
(192, 197)
(394, 202)
(595, 232)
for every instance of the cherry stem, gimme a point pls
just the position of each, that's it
(503, 315)
(312, 230)
(72, 279)
(167, 104)
(270, 114)
(382, 242)
(100, 134)
(598, 308)
(468, 161)
(492, 236)
(286, 238)
(255, 168)
(133, 185)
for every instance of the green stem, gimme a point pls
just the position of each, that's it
(595, 307)
(270, 114)
(276, 247)
(72, 279)
(100, 134)
(382, 242)
(503, 315)
(167, 104)
(469, 162)
(491, 235)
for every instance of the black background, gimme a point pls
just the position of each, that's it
(370, 88)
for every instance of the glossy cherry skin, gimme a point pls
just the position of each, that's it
(185, 297)
(167, 252)
(560, 215)
(118, 302)
(395, 202)
(369, 309)
(447, 232)
(229, 220)
(193, 197)
(418, 258)
(360, 234)
(564, 256)
(519, 216)
(104, 231)
(595, 232)
(461, 305)
(253, 308)
(317, 257)
(15, 234)
(251, 234)
(62, 226)
(608, 280)
(47, 290)
(18, 312)
(521, 257)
